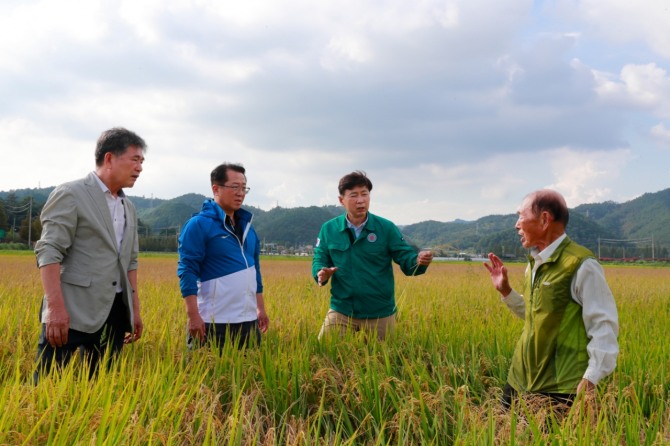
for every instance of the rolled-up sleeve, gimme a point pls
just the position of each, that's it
(59, 224)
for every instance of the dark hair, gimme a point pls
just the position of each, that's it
(220, 173)
(116, 140)
(552, 202)
(353, 179)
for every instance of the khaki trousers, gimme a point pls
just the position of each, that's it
(340, 323)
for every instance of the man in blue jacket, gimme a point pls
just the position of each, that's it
(219, 271)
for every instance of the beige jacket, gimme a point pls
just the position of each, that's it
(77, 233)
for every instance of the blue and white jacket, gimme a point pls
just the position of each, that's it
(224, 273)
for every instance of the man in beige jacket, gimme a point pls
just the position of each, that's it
(87, 256)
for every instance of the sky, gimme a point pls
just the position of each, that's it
(455, 109)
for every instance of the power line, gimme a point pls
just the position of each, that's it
(630, 240)
(622, 243)
(17, 209)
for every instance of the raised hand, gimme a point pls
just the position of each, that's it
(498, 273)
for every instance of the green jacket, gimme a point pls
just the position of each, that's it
(551, 356)
(363, 285)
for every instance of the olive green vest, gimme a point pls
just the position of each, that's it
(551, 355)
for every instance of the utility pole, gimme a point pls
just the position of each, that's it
(30, 220)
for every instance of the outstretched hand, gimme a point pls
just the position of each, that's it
(324, 275)
(498, 273)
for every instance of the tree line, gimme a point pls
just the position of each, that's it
(20, 227)
(293, 231)
(19, 221)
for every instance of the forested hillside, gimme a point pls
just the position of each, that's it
(644, 217)
(494, 233)
(602, 227)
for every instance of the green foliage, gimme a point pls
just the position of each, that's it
(35, 229)
(297, 226)
(15, 218)
(4, 221)
(168, 215)
(13, 247)
(463, 235)
(158, 244)
(643, 217)
(39, 195)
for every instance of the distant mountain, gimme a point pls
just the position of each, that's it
(291, 227)
(645, 217)
(294, 226)
(642, 217)
(157, 213)
(494, 233)
(459, 232)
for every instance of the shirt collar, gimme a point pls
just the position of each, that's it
(352, 226)
(104, 187)
(542, 256)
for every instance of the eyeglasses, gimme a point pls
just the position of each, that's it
(237, 188)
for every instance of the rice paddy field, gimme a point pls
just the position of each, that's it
(436, 381)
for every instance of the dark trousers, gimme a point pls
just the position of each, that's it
(244, 334)
(89, 346)
(510, 394)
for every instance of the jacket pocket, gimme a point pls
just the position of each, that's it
(339, 253)
(76, 279)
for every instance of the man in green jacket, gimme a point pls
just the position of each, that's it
(357, 249)
(569, 339)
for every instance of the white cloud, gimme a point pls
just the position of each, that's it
(141, 15)
(28, 30)
(227, 70)
(447, 15)
(661, 133)
(620, 21)
(343, 52)
(38, 155)
(443, 102)
(586, 177)
(645, 86)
